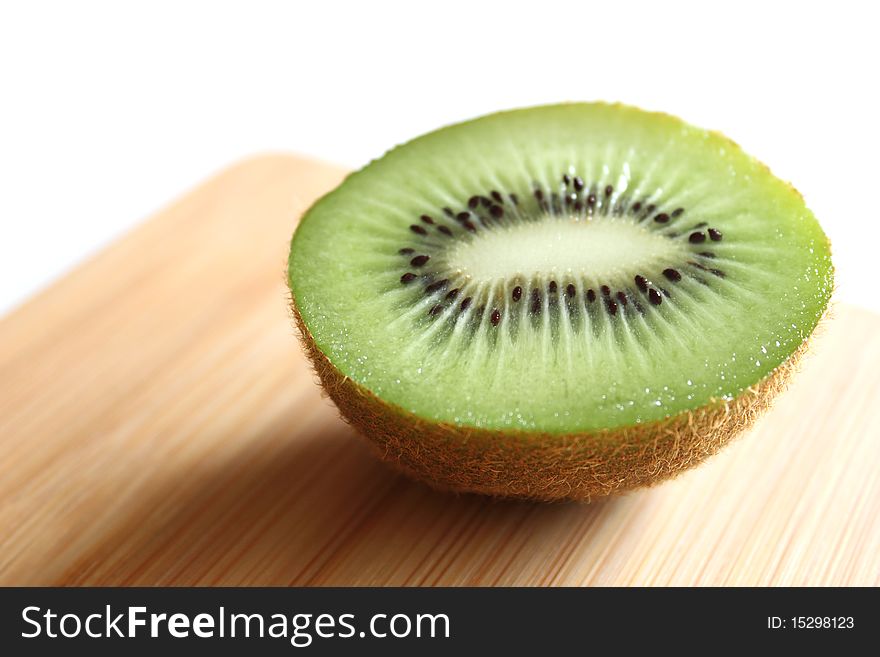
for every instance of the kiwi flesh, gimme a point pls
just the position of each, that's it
(565, 301)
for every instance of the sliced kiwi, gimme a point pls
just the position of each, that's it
(557, 302)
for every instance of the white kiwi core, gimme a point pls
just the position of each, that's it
(600, 249)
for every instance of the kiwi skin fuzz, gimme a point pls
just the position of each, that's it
(540, 466)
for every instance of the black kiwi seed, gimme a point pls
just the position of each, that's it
(636, 206)
(605, 290)
(578, 206)
(621, 296)
(565, 178)
(517, 293)
(570, 290)
(433, 287)
(435, 310)
(408, 277)
(715, 234)
(696, 238)
(469, 225)
(654, 297)
(591, 199)
(579, 183)
(418, 229)
(539, 195)
(552, 287)
(661, 218)
(463, 216)
(445, 230)
(406, 251)
(497, 196)
(426, 219)
(419, 260)
(672, 274)
(641, 283)
(608, 190)
(486, 201)
(677, 212)
(496, 211)
(611, 305)
(473, 202)
(466, 303)
(514, 199)
(591, 296)
(496, 317)
(452, 294)
(448, 212)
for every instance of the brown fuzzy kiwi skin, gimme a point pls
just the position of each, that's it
(547, 467)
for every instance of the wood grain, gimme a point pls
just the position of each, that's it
(159, 425)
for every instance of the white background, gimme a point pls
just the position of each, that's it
(110, 110)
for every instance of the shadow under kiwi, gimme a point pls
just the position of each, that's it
(320, 509)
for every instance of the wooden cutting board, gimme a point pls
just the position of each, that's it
(159, 425)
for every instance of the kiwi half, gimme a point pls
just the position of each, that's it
(557, 302)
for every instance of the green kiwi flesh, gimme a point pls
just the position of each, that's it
(559, 273)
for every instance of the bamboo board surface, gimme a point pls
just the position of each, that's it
(160, 426)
